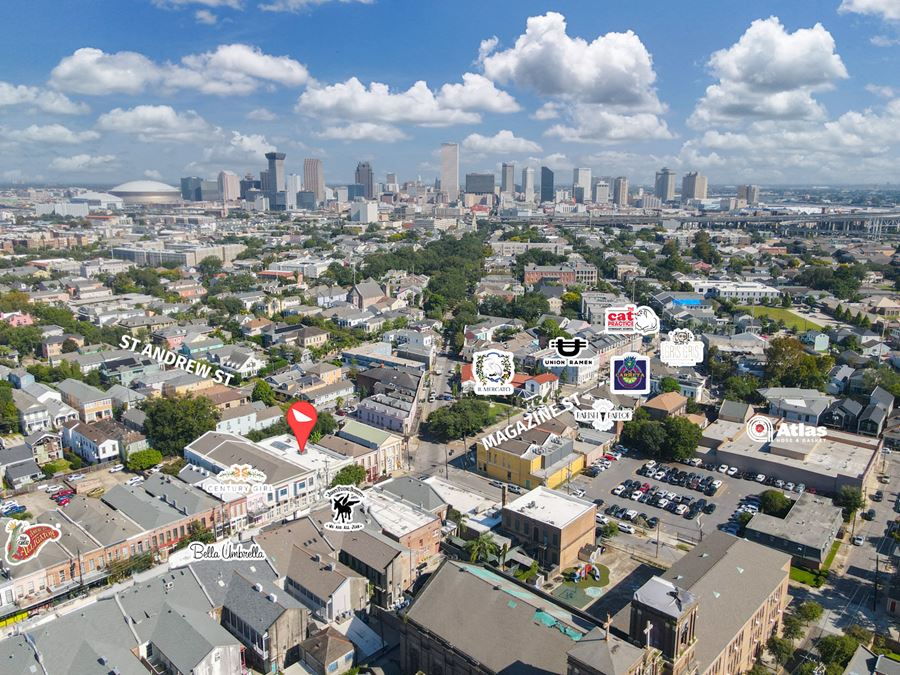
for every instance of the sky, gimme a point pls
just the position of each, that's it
(768, 92)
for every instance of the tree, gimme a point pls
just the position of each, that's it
(836, 649)
(788, 365)
(858, 633)
(172, 423)
(774, 503)
(324, 426)
(352, 474)
(780, 649)
(682, 436)
(610, 530)
(742, 388)
(759, 669)
(467, 417)
(143, 459)
(483, 546)
(809, 611)
(743, 519)
(262, 391)
(792, 628)
(850, 499)
(668, 384)
(69, 345)
(9, 414)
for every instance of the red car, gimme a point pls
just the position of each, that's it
(645, 487)
(62, 493)
(611, 458)
(64, 501)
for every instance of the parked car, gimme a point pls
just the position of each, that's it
(65, 492)
(578, 492)
(495, 483)
(116, 468)
(14, 510)
(602, 520)
(733, 470)
(619, 489)
(878, 496)
(869, 515)
(722, 468)
(858, 540)
(626, 528)
(55, 488)
(137, 480)
(75, 476)
(515, 489)
(64, 501)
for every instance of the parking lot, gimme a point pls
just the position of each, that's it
(726, 499)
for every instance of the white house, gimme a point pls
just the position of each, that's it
(89, 444)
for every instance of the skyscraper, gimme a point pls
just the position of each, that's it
(480, 183)
(665, 185)
(548, 192)
(314, 178)
(601, 192)
(581, 178)
(620, 191)
(190, 188)
(528, 184)
(450, 170)
(293, 185)
(229, 186)
(508, 179)
(693, 186)
(276, 171)
(749, 193)
(366, 178)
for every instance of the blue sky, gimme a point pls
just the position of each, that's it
(769, 92)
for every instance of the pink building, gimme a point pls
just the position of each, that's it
(17, 319)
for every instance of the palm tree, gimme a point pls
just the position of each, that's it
(482, 547)
(501, 557)
(461, 523)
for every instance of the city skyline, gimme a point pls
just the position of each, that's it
(776, 95)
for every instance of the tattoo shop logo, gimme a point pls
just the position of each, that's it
(630, 319)
(494, 371)
(603, 414)
(567, 350)
(344, 500)
(25, 541)
(762, 430)
(629, 374)
(681, 349)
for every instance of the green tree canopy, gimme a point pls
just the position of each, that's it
(788, 365)
(172, 423)
(262, 391)
(352, 474)
(467, 416)
(849, 498)
(774, 503)
(143, 459)
(668, 384)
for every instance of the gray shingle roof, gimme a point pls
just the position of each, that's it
(252, 606)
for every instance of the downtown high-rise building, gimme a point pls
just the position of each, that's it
(480, 183)
(620, 191)
(366, 177)
(229, 186)
(582, 178)
(749, 194)
(292, 186)
(548, 190)
(601, 192)
(528, 184)
(664, 188)
(314, 178)
(693, 186)
(450, 170)
(275, 177)
(508, 179)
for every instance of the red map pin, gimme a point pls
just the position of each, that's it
(301, 418)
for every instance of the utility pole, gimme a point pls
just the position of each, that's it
(657, 538)
(875, 592)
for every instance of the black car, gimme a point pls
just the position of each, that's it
(610, 510)
(599, 502)
(709, 508)
(652, 522)
(878, 496)
(869, 515)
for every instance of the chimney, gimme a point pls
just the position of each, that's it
(272, 597)
(503, 492)
(257, 588)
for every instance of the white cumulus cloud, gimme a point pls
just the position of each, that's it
(592, 123)
(153, 174)
(476, 93)
(205, 17)
(52, 134)
(261, 115)
(886, 9)
(47, 101)
(363, 131)
(503, 142)
(770, 74)
(155, 123)
(235, 69)
(82, 163)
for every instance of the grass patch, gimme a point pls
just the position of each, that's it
(831, 554)
(584, 592)
(790, 319)
(807, 577)
(682, 547)
(497, 412)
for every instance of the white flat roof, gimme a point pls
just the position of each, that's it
(550, 506)
(395, 516)
(461, 499)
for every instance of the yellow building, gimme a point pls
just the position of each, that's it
(534, 458)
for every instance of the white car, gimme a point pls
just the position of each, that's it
(659, 475)
(515, 489)
(663, 503)
(717, 483)
(695, 461)
(76, 476)
(619, 489)
(578, 492)
(681, 509)
(630, 514)
(858, 540)
(153, 470)
(137, 480)
(733, 470)
(650, 464)
(626, 528)
(760, 478)
(117, 468)
(637, 494)
(601, 519)
(723, 468)
(55, 488)
(789, 486)
(8, 505)
(801, 488)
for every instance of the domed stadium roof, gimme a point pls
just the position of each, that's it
(143, 186)
(147, 192)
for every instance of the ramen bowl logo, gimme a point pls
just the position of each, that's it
(493, 371)
(629, 374)
(26, 541)
(630, 319)
(681, 349)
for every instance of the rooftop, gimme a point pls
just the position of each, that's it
(812, 521)
(550, 506)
